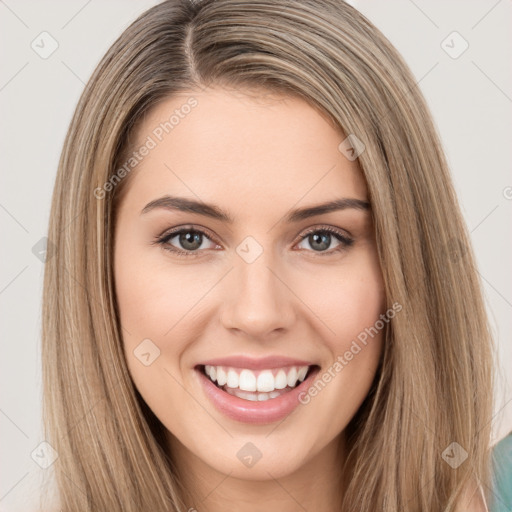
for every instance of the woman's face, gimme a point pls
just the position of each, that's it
(260, 287)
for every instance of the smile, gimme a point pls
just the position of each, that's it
(258, 385)
(252, 391)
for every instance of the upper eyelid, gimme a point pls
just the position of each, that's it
(171, 233)
(175, 231)
(325, 227)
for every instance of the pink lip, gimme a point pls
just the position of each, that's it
(268, 411)
(262, 363)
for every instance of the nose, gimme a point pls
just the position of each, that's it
(259, 301)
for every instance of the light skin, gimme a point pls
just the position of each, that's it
(256, 159)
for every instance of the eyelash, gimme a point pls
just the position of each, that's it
(164, 239)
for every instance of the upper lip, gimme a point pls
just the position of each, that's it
(261, 363)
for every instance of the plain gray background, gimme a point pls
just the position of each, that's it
(470, 96)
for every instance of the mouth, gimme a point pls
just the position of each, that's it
(252, 395)
(256, 385)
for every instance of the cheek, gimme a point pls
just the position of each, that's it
(160, 302)
(150, 309)
(163, 304)
(361, 305)
(143, 304)
(351, 305)
(145, 310)
(151, 294)
(352, 308)
(348, 299)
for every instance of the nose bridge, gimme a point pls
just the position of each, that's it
(259, 302)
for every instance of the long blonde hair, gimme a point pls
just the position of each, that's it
(434, 384)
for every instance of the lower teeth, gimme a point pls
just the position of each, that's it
(255, 396)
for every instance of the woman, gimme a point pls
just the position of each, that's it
(263, 293)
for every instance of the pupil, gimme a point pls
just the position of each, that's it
(188, 240)
(324, 240)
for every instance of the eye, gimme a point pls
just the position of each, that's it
(185, 241)
(190, 242)
(320, 240)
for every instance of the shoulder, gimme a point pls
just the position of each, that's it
(500, 499)
(502, 475)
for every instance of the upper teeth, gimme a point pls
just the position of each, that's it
(264, 381)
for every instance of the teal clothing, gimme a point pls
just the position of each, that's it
(501, 498)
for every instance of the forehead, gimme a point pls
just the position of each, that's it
(242, 147)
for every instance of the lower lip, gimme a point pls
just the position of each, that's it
(246, 411)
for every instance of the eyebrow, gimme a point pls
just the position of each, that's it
(210, 210)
